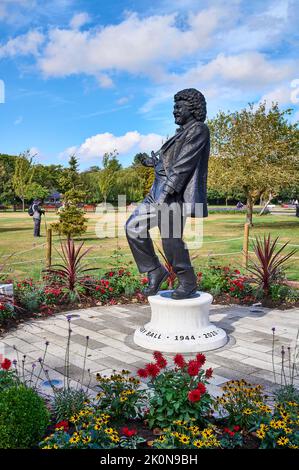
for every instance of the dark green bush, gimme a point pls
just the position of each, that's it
(23, 418)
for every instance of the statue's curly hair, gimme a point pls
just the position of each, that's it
(196, 100)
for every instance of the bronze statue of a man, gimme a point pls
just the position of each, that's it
(180, 185)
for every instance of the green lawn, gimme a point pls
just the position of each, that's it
(16, 239)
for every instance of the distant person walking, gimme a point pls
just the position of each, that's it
(36, 211)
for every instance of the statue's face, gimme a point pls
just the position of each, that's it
(181, 112)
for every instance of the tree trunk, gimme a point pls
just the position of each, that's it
(266, 204)
(23, 205)
(249, 210)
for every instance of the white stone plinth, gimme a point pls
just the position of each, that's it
(180, 325)
(7, 291)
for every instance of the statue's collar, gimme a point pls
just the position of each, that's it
(185, 126)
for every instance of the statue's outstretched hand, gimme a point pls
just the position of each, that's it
(145, 160)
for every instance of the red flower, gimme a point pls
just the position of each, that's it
(128, 432)
(232, 289)
(231, 433)
(194, 395)
(226, 430)
(236, 428)
(237, 271)
(201, 359)
(144, 280)
(209, 373)
(193, 368)
(152, 370)
(160, 360)
(179, 360)
(111, 273)
(62, 424)
(6, 364)
(202, 388)
(2, 307)
(142, 373)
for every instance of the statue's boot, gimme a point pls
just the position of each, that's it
(155, 279)
(187, 285)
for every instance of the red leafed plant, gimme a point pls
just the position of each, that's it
(270, 263)
(71, 272)
(172, 275)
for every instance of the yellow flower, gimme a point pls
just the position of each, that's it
(184, 439)
(260, 434)
(114, 438)
(74, 419)
(109, 431)
(287, 430)
(86, 439)
(198, 444)
(279, 424)
(206, 433)
(122, 399)
(247, 411)
(74, 440)
(162, 439)
(178, 422)
(292, 446)
(97, 427)
(282, 441)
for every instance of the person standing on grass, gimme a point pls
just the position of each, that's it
(37, 215)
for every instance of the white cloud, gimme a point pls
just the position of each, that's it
(26, 44)
(79, 20)
(136, 45)
(132, 142)
(281, 94)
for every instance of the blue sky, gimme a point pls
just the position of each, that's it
(90, 76)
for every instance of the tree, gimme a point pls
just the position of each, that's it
(107, 176)
(254, 151)
(35, 191)
(71, 217)
(22, 176)
(7, 193)
(145, 175)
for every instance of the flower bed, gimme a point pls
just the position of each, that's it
(174, 411)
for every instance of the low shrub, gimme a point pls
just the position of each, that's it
(23, 417)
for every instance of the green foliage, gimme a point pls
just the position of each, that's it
(120, 395)
(108, 176)
(242, 404)
(179, 393)
(23, 417)
(8, 378)
(29, 295)
(286, 393)
(23, 174)
(72, 222)
(68, 402)
(71, 218)
(280, 292)
(35, 191)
